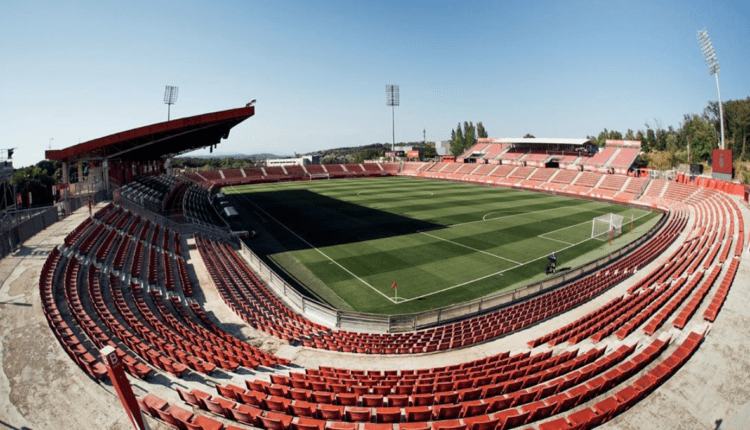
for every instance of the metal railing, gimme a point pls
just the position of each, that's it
(185, 229)
(23, 225)
(360, 321)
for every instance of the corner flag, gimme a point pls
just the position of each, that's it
(394, 286)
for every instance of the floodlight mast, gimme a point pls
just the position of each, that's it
(713, 69)
(170, 97)
(392, 100)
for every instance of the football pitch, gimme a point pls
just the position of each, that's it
(348, 241)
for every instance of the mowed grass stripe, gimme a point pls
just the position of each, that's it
(415, 274)
(368, 227)
(502, 236)
(514, 241)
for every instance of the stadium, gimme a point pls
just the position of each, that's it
(378, 296)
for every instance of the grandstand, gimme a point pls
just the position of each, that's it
(209, 341)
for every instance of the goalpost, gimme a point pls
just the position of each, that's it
(312, 176)
(605, 227)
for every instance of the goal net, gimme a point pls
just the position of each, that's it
(312, 176)
(605, 226)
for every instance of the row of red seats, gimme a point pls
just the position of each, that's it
(160, 358)
(265, 358)
(628, 396)
(191, 336)
(76, 347)
(245, 406)
(721, 293)
(145, 342)
(113, 329)
(635, 317)
(198, 356)
(246, 296)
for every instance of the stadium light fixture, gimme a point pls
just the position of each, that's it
(170, 97)
(713, 69)
(392, 100)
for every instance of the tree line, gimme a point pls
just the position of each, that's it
(700, 133)
(463, 140)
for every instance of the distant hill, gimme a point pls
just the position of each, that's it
(348, 154)
(357, 154)
(217, 155)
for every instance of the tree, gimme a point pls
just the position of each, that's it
(470, 136)
(737, 119)
(700, 134)
(38, 180)
(528, 136)
(463, 140)
(457, 144)
(429, 150)
(650, 138)
(481, 132)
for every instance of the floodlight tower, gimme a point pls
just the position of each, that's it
(170, 97)
(713, 69)
(392, 100)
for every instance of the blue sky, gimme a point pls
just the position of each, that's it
(75, 71)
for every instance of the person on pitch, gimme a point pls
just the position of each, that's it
(552, 263)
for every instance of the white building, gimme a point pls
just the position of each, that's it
(301, 161)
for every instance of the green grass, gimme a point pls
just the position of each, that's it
(347, 241)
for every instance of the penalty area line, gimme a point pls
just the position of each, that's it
(505, 270)
(469, 247)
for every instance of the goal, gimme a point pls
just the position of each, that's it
(606, 226)
(312, 176)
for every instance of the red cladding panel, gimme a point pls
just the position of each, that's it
(722, 161)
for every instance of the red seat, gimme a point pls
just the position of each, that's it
(515, 420)
(606, 408)
(175, 416)
(341, 426)
(356, 414)
(275, 421)
(302, 409)
(474, 408)
(372, 400)
(584, 416)
(481, 422)
(558, 424)
(398, 400)
(423, 399)
(246, 414)
(346, 399)
(188, 397)
(388, 415)
(448, 425)
(304, 423)
(414, 426)
(206, 423)
(378, 426)
(446, 412)
(418, 413)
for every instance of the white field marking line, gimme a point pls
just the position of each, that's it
(484, 218)
(501, 271)
(375, 194)
(469, 247)
(510, 216)
(576, 225)
(556, 240)
(319, 251)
